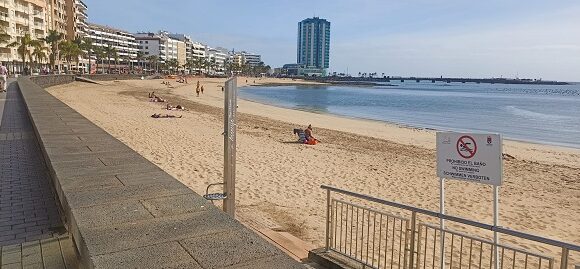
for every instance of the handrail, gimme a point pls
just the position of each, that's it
(498, 229)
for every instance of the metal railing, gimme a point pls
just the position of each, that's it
(377, 239)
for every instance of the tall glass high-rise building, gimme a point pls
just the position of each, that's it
(314, 43)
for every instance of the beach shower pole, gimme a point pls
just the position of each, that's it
(230, 124)
(442, 221)
(495, 224)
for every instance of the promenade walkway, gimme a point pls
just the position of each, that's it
(28, 209)
(29, 217)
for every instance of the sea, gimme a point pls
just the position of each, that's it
(542, 114)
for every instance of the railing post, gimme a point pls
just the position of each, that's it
(564, 261)
(327, 247)
(413, 235)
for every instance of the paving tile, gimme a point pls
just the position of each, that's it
(228, 248)
(166, 255)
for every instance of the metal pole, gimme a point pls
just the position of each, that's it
(413, 234)
(442, 221)
(327, 247)
(230, 125)
(564, 261)
(495, 225)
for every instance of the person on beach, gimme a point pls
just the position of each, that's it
(3, 77)
(197, 88)
(201, 89)
(310, 139)
(160, 116)
(222, 88)
(152, 95)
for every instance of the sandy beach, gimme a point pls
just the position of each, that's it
(278, 180)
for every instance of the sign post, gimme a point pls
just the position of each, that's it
(230, 125)
(473, 158)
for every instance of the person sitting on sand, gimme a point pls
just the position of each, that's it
(169, 107)
(310, 139)
(180, 107)
(152, 95)
(160, 116)
(157, 99)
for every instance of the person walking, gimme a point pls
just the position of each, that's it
(3, 77)
(201, 89)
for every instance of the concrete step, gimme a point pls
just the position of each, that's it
(332, 260)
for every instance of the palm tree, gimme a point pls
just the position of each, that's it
(172, 64)
(100, 55)
(86, 45)
(53, 39)
(153, 61)
(70, 52)
(140, 57)
(39, 53)
(110, 52)
(23, 47)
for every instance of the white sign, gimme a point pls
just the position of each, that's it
(470, 157)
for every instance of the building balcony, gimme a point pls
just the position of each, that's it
(82, 4)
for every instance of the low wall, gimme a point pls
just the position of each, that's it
(52, 80)
(110, 77)
(125, 212)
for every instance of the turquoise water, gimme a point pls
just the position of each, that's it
(535, 113)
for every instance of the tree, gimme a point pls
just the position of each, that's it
(53, 39)
(39, 53)
(23, 47)
(172, 64)
(100, 55)
(153, 60)
(86, 45)
(111, 52)
(70, 52)
(140, 57)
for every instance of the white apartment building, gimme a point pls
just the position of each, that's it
(20, 17)
(198, 50)
(159, 44)
(243, 57)
(220, 55)
(124, 43)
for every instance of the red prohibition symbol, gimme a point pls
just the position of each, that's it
(466, 147)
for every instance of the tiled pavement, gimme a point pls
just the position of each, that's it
(52, 253)
(28, 209)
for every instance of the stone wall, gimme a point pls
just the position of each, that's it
(107, 77)
(52, 80)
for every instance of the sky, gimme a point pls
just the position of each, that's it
(450, 38)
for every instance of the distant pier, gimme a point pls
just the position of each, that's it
(332, 79)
